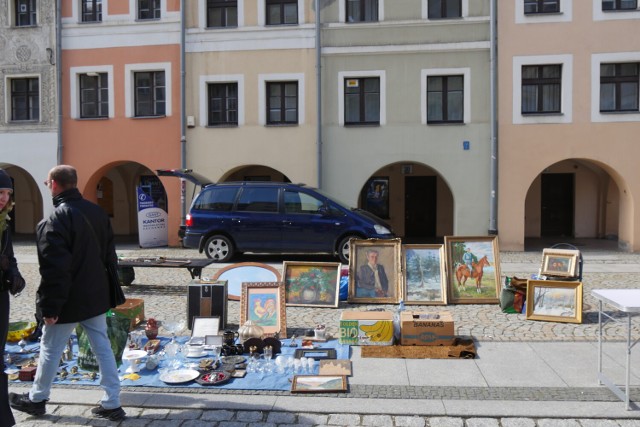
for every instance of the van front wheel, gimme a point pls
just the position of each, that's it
(343, 249)
(219, 248)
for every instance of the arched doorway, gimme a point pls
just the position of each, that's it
(255, 173)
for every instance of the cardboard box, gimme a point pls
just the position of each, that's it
(366, 328)
(421, 328)
(133, 308)
(207, 299)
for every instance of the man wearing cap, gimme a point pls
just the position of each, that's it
(74, 244)
(10, 282)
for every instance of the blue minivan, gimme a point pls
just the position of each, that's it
(272, 217)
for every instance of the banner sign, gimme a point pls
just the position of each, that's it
(152, 222)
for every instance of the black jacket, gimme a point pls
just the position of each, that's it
(8, 264)
(72, 257)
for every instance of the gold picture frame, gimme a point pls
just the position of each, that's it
(559, 262)
(554, 301)
(319, 384)
(424, 274)
(311, 284)
(483, 286)
(264, 304)
(381, 284)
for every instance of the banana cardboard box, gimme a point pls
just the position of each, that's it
(422, 328)
(366, 328)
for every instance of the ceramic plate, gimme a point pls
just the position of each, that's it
(214, 378)
(134, 354)
(179, 376)
(196, 355)
(233, 359)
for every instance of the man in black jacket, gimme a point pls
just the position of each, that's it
(73, 245)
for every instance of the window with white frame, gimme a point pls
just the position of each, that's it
(445, 99)
(222, 13)
(25, 13)
(362, 101)
(222, 104)
(25, 99)
(541, 6)
(149, 9)
(94, 95)
(281, 12)
(282, 102)
(444, 9)
(619, 5)
(91, 11)
(541, 89)
(150, 93)
(619, 87)
(362, 10)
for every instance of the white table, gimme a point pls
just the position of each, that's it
(626, 301)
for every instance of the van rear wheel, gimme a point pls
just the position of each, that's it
(219, 248)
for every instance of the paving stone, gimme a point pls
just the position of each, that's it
(249, 416)
(414, 421)
(601, 423)
(184, 414)
(281, 418)
(343, 420)
(377, 420)
(222, 415)
(550, 422)
(445, 422)
(313, 419)
(483, 422)
(517, 422)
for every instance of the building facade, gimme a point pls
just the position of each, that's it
(568, 120)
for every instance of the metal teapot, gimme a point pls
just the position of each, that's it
(250, 330)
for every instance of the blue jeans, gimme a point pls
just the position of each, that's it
(55, 338)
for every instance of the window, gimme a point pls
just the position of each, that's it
(301, 203)
(541, 88)
(619, 87)
(91, 10)
(218, 199)
(619, 4)
(223, 104)
(440, 9)
(362, 10)
(362, 101)
(148, 9)
(94, 95)
(222, 13)
(445, 99)
(25, 13)
(541, 6)
(282, 103)
(282, 12)
(150, 93)
(25, 99)
(258, 200)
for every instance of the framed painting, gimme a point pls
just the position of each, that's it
(311, 284)
(559, 262)
(236, 274)
(554, 301)
(425, 279)
(375, 273)
(318, 383)
(473, 269)
(264, 304)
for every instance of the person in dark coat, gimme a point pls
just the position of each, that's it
(11, 281)
(74, 244)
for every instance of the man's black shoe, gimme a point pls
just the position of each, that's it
(116, 414)
(21, 402)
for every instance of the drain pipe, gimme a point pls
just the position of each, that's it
(58, 64)
(318, 95)
(183, 133)
(493, 204)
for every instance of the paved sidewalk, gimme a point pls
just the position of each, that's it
(526, 374)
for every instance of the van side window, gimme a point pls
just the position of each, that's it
(297, 202)
(216, 199)
(258, 200)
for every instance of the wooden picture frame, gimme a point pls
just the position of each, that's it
(205, 325)
(236, 274)
(386, 253)
(559, 262)
(484, 286)
(264, 304)
(334, 367)
(315, 353)
(425, 274)
(554, 301)
(319, 384)
(311, 284)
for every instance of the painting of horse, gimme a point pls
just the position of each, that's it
(472, 260)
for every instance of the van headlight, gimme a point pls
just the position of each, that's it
(381, 229)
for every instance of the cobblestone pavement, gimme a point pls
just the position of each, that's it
(164, 292)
